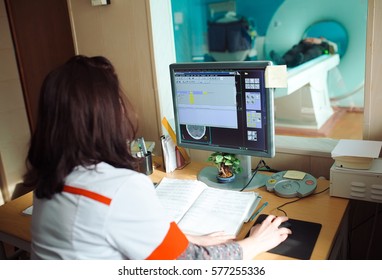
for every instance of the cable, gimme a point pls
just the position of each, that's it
(319, 192)
(353, 228)
(364, 222)
(268, 169)
(372, 232)
(255, 172)
(290, 202)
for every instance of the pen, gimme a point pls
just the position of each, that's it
(258, 211)
(142, 145)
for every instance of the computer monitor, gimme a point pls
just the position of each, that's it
(225, 107)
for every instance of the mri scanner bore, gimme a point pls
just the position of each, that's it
(310, 105)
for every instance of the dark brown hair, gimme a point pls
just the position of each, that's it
(83, 118)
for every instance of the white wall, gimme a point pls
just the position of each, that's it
(164, 54)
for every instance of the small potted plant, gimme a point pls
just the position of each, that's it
(228, 166)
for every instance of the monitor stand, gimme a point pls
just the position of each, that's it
(208, 175)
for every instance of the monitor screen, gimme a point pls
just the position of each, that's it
(224, 107)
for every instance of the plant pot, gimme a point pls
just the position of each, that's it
(225, 179)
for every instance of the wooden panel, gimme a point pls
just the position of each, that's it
(120, 32)
(43, 40)
(3, 186)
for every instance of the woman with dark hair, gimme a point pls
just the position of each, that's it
(89, 202)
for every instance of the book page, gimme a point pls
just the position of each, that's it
(28, 211)
(218, 210)
(178, 195)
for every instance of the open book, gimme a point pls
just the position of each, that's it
(199, 209)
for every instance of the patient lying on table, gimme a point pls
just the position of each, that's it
(305, 50)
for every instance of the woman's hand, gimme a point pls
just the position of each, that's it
(264, 236)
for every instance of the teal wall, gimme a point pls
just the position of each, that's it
(191, 35)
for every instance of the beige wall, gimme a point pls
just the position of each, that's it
(14, 127)
(373, 84)
(121, 32)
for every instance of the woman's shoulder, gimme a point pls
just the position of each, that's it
(105, 177)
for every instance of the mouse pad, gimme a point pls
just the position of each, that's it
(301, 242)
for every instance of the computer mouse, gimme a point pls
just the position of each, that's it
(286, 224)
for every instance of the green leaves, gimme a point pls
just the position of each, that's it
(224, 161)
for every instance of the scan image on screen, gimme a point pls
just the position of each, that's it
(206, 100)
(225, 107)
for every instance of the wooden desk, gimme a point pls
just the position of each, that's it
(322, 208)
(14, 225)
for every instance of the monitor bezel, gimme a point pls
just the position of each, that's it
(270, 142)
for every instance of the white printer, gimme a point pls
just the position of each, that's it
(358, 184)
(357, 170)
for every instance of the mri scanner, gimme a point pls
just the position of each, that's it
(306, 103)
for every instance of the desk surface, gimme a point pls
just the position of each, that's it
(14, 225)
(321, 208)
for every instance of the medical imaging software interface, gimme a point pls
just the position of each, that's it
(222, 108)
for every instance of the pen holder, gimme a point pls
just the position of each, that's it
(145, 165)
